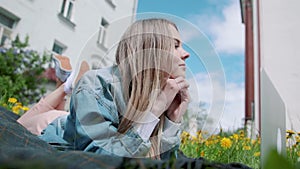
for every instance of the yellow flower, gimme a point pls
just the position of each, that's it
(199, 135)
(258, 141)
(16, 109)
(184, 137)
(246, 148)
(194, 139)
(185, 134)
(242, 135)
(208, 143)
(290, 132)
(25, 108)
(247, 140)
(202, 154)
(256, 154)
(297, 139)
(226, 143)
(235, 137)
(12, 100)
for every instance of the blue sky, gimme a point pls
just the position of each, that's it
(220, 22)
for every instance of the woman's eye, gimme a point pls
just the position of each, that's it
(176, 43)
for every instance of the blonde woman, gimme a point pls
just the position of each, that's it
(135, 107)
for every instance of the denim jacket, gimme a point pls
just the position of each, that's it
(95, 107)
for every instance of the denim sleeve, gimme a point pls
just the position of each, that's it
(92, 126)
(170, 138)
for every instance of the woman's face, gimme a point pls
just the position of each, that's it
(180, 55)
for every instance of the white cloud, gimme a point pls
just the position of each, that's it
(226, 31)
(188, 33)
(233, 112)
(201, 88)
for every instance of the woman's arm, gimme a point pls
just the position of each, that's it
(170, 140)
(92, 126)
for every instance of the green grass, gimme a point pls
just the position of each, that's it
(235, 147)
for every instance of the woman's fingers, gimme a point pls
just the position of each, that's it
(185, 95)
(176, 84)
(168, 93)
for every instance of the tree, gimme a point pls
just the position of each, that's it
(21, 72)
(195, 117)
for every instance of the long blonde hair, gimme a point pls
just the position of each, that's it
(144, 57)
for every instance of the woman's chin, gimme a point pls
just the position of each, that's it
(178, 75)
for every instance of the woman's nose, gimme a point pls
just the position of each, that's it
(184, 54)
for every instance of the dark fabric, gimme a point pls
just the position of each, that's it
(21, 149)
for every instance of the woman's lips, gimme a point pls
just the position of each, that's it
(183, 66)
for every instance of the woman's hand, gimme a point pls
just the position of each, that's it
(179, 105)
(174, 96)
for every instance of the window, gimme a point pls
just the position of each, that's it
(102, 32)
(8, 22)
(4, 35)
(112, 3)
(67, 9)
(58, 47)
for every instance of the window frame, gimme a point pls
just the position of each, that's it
(67, 11)
(102, 32)
(60, 45)
(112, 3)
(6, 30)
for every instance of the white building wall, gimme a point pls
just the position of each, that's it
(255, 129)
(41, 21)
(280, 52)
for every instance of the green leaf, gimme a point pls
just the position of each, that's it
(276, 161)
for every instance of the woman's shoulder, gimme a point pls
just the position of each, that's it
(99, 77)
